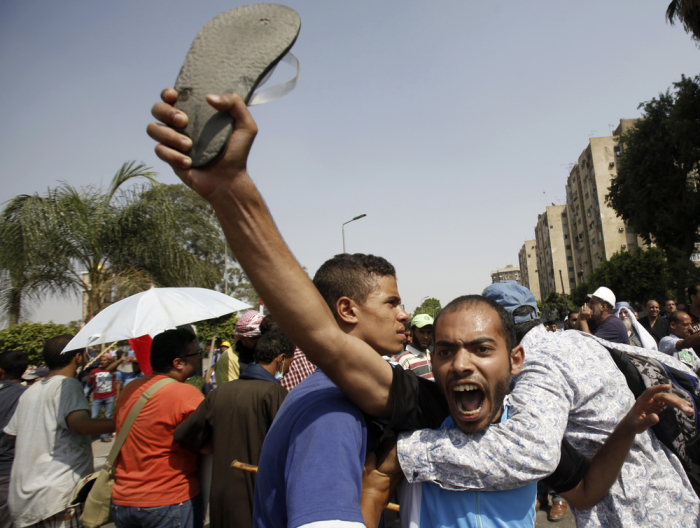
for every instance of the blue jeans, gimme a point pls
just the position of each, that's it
(188, 514)
(108, 404)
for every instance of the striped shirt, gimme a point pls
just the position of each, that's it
(417, 361)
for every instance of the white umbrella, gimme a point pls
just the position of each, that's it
(152, 312)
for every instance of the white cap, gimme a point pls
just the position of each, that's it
(604, 294)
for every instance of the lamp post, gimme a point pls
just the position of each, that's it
(356, 218)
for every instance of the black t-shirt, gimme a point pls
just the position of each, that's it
(419, 404)
(10, 392)
(660, 329)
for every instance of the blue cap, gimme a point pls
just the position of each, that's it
(512, 295)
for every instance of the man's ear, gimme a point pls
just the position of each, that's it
(346, 310)
(517, 356)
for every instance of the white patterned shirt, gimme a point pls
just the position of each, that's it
(568, 386)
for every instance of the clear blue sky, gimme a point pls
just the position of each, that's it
(444, 122)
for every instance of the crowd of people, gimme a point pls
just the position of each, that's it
(341, 402)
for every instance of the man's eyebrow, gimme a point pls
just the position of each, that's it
(477, 341)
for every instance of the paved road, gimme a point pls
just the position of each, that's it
(100, 450)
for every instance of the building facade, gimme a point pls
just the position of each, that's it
(507, 273)
(527, 258)
(554, 253)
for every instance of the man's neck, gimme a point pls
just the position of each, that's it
(417, 348)
(695, 310)
(177, 376)
(68, 371)
(270, 367)
(652, 319)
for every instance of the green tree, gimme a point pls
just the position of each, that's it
(656, 187)
(635, 276)
(113, 243)
(563, 304)
(30, 338)
(225, 330)
(687, 12)
(430, 306)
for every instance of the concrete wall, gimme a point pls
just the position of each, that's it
(527, 258)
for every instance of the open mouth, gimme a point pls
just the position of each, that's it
(468, 399)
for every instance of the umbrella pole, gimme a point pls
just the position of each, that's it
(98, 356)
(211, 354)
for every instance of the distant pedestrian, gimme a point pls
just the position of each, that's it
(13, 363)
(235, 360)
(669, 308)
(417, 356)
(571, 321)
(681, 342)
(654, 324)
(596, 317)
(105, 391)
(51, 428)
(636, 333)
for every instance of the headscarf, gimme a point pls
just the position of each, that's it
(249, 324)
(648, 342)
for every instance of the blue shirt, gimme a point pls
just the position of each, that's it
(429, 506)
(312, 460)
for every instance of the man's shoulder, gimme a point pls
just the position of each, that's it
(317, 396)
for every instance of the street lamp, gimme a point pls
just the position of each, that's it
(356, 218)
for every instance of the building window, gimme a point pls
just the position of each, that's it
(569, 258)
(571, 269)
(568, 247)
(566, 237)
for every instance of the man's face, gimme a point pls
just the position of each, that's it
(191, 360)
(104, 361)
(682, 327)
(421, 337)
(573, 319)
(670, 307)
(471, 365)
(380, 320)
(597, 309)
(653, 309)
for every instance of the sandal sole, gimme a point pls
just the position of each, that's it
(231, 54)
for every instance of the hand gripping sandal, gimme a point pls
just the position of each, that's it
(235, 52)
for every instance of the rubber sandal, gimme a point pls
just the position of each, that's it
(234, 53)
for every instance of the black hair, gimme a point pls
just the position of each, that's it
(572, 312)
(54, 357)
(168, 346)
(14, 363)
(267, 324)
(271, 345)
(469, 301)
(353, 276)
(693, 290)
(675, 317)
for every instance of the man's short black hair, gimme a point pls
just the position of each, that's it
(14, 363)
(693, 290)
(573, 312)
(272, 344)
(168, 346)
(469, 301)
(675, 317)
(353, 276)
(53, 352)
(267, 324)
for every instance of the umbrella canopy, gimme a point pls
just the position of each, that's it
(153, 311)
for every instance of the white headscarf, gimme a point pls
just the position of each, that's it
(648, 342)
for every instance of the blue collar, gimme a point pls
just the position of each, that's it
(255, 371)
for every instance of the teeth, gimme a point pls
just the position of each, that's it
(464, 388)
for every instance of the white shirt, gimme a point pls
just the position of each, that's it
(686, 355)
(50, 459)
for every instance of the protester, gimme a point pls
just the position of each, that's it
(105, 391)
(694, 311)
(155, 479)
(127, 377)
(681, 342)
(636, 333)
(234, 360)
(34, 375)
(596, 318)
(669, 308)
(656, 326)
(237, 417)
(417, 356)
(474, 358)
(51, 428)
(300, 369)
(571, 320)
(13, 363)
(524, 449)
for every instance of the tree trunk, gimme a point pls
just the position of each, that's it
(15, 306)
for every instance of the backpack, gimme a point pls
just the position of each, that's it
(677, 430)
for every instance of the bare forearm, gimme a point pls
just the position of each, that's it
(92, 426)
(582, 325)
(689, 342)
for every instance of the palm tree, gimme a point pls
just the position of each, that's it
(688, 14)
(112, 244)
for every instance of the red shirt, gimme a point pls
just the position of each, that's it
(103, 382)
(152, 469)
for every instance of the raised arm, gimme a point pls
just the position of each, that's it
(252, 235)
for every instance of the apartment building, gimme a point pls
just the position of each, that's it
(527, 258)
(507, 273)
(595, 229)
(554, 253)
